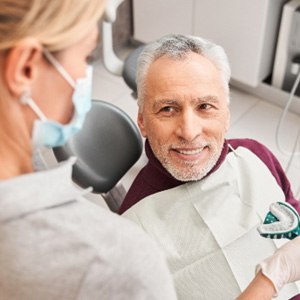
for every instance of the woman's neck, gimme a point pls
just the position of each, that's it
(15, 160)
(15, 138)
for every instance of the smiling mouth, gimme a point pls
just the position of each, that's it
(189, 154)
(190, 151)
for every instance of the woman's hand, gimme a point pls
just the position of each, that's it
(274, 272)
(284, 265)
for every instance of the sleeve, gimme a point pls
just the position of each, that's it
(143, 275)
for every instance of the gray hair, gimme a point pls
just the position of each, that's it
(176, 46)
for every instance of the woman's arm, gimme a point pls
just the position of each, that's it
(260, 288)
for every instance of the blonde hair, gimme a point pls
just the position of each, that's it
(56, 24)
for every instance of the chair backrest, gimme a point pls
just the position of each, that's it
(107, 146)
(130, 66)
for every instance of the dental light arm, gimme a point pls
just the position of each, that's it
(111, 60)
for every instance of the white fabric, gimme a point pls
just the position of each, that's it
(208, 228)
(56, 245)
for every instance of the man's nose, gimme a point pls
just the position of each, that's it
(189, 126)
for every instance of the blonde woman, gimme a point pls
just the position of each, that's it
(53, 243)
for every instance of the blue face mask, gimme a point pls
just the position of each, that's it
(53, 134)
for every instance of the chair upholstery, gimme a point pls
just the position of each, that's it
(106, 148)
(129, 69)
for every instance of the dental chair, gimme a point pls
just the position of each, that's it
(106, 147)
(125, 68)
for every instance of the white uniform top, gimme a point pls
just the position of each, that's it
(54, 244)
(208, 228)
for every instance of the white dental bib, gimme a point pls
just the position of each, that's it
(207, 228)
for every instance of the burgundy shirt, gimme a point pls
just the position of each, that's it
(155, 178)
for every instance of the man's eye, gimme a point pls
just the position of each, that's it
(205, 106)
(167, 109)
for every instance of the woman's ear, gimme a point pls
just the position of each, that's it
(21, 65)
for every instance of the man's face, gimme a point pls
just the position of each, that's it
(185, 115)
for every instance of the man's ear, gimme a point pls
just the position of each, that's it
(20, 68)
(140, 122)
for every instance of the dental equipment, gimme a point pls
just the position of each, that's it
(282, 221)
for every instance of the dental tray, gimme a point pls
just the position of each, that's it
(282, 221)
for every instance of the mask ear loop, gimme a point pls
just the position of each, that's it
(27, 100)
(59, 68)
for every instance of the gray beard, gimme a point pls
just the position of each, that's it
(192, 173)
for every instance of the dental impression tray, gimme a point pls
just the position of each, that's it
(282, 221)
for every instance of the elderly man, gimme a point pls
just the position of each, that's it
(203, 196)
